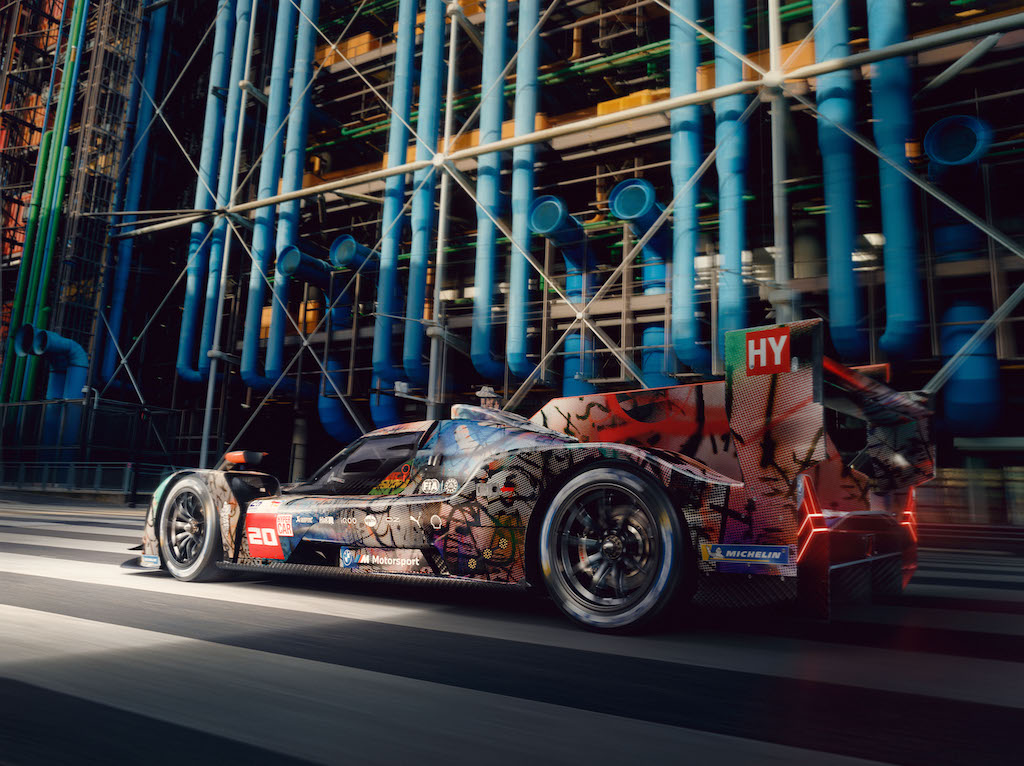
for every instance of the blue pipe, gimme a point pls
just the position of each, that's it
(549, 217)
(890, 103)
(686, 157)
(133, 190)
(209, 159)
(488, 191)
(348, 253)
(731, 162)
(263, 224)
(634, 200)
(292, 263)
(224, 178)
(971, 400)
(291, 179)
(69, 369)
(523, 158)
(427, 128)
(836, 102)
(394, 193)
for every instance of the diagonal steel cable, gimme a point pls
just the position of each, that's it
(174, 85)
(155, 313)
(810, 35)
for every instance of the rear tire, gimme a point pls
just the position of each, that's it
(612, 550)
(189, 532)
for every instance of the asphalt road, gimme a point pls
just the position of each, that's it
(101, 665)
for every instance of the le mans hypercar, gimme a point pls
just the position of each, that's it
(792, 475)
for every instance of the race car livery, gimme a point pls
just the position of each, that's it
(792, 473)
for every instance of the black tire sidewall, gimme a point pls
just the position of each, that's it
(204, 567)
(671, 564)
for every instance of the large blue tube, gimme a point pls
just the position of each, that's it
(523, 158)
(972, 401)
(224, 178)
(69, 366)
(427, 128)
(731, 163)
(348, 253)
(488, 191)
(292, 263)
(291, 179)
(549, 217)
(263, 225)
(394, 193)
(684, 58)
(209, 159)
(890, 104)
(634, 200)
(133, 190)
(836, 102)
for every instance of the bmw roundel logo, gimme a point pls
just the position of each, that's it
(347, 557)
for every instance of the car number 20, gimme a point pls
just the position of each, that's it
(258, 536)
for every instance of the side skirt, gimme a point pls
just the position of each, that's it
(315, 570)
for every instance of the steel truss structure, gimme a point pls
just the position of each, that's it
(781, 84)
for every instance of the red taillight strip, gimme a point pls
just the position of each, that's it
(910, 513)
(812, 514)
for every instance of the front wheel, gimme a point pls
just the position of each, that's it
(189, 532)
(612, 549)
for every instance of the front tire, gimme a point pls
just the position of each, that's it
(189, 532)
(612, 550)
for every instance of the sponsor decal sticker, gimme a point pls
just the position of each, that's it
(745, 554)
(347, 557)
(284, 525)
(430, 486)
(150, 560)
(388, 561)
(371, 520)
(435, 521)
(768, 351)
(451, 486)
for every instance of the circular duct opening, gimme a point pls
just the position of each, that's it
(289, 260)
(957, 140)
(631, 199)
(23, 340)
(343, 250)
(40, 342)
(548, 215)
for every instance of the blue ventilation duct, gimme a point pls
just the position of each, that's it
(549, 217)
(427, 128)
(972, 401)
(731, 163)
(291, 180)
(69, 370)
(224, 179)
(488, 191)
(133, 190)
(633, 200)
(209, 159)
(890, 106)
(394, 197)
(263, 224)
(836, 102)
(523, 158)
(687, 155)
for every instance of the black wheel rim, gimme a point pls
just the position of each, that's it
(608, 547)
(185, 528)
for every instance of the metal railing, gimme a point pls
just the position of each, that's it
(107, 478)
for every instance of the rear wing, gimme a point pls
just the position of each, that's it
(782, 410)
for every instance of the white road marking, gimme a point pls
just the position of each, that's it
(171, 679)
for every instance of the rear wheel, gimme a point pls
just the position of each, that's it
(189, 532)
(612, 549)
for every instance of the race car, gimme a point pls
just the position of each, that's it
(792, 476)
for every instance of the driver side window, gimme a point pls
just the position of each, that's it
(366, 464)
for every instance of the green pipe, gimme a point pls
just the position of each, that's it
(26, 263)
(67, 87)
(42, 318)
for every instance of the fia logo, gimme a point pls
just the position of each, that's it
(768, 351)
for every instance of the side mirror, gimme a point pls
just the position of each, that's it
(243, 458)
